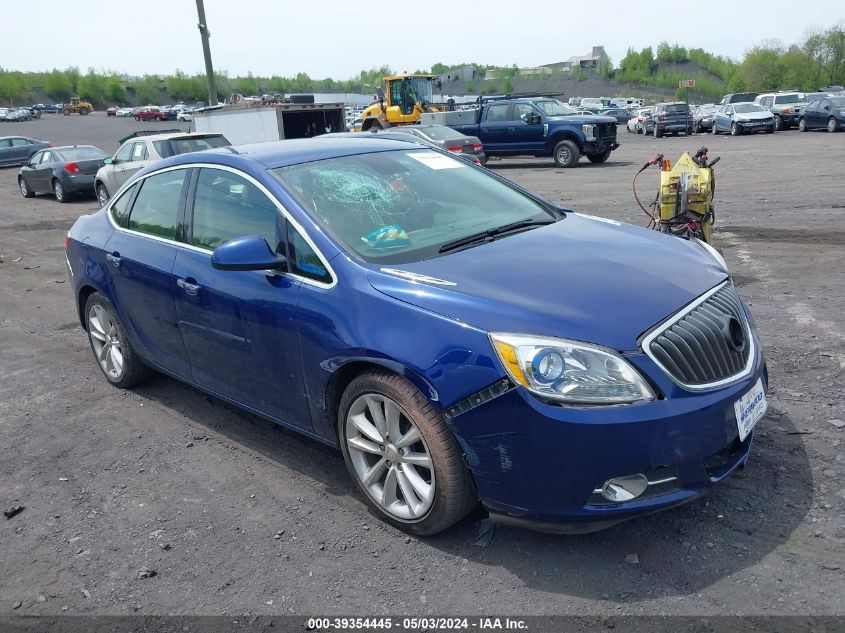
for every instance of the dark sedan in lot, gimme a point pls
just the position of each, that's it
(622, 115)
(62, 171)
(17, 150)
(457, 337)
(827, 113)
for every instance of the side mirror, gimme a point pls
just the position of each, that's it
(535, 118)
(247, 253)
(109, 161)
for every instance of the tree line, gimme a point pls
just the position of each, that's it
(817, 61)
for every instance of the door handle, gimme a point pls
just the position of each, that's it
(188, 287)
(511, 129)
(114, 258)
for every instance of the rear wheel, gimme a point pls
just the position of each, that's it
(402, 455)
(832, 125)
(158, 118)
(59, 191)
(115, 356)
(66, 111)
(566, 154)
(84, 111)
(26, 192)
(657, 133)
(599, 158)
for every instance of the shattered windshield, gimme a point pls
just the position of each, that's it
(403, 206)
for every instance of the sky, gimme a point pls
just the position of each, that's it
(329, 38)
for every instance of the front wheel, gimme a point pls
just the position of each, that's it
(26, 192)
(66, 111)
(566, 154)
(802, 125)
(115, 356)
(832, 125)
(597, 159)
(778, 123)
(402, 455)
(734, 129)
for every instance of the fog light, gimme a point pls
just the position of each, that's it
(624, 488)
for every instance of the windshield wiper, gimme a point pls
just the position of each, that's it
(490, 234)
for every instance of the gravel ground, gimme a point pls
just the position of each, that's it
(234, 514)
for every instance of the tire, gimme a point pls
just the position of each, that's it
(66, 111)
(26, 192)
(158, 119)
(779, 123)
(102, 194)
(714, 130)
(107, 337)
(84, 111)
(770, 129)
(735, 130)
(697, 129)
(802, 125)
(137, 118)
(421, 499)
(832, 125)
(657, 133)
(597, 159)
(566, 154)
(483, 160)
(59, 191)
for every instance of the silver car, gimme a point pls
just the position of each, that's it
(140, 150)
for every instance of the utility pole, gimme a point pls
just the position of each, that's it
(206, 52)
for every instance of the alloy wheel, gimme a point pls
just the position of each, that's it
(105, 341)
(390, 457)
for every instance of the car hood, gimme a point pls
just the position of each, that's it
(752, 116)
(583, 278)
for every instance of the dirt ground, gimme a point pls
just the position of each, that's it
(237, 515)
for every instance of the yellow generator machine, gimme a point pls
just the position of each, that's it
(684, 202)
(401, 102)
(76, 105)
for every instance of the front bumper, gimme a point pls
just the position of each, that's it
(756, 124)
(599, 146)
(539, 465)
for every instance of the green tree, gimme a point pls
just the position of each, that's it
(58, 85)
(147, 89)
(11, 85)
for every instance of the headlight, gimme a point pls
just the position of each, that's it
(713, 253)
(589, 131)
(569, 371)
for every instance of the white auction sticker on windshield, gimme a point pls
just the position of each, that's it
(435, 161)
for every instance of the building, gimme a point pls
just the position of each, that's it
(588, 62)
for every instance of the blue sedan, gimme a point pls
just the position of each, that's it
(458, 338)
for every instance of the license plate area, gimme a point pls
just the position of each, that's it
(749, 409)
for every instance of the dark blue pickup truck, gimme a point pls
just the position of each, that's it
(535, 126)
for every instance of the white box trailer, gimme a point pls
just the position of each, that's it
(246, 124)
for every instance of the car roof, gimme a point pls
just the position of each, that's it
(173, 135)
(61, 147)
(276, 154)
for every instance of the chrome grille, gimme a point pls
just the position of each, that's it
(707, 345)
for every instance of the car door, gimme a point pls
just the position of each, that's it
(28, 170)
(821, 113)
(139, 266)
(720, 120)
(20, 150)
(240, 328)
(525, 134)
(495, 126)
(136, 161)
(41, 176)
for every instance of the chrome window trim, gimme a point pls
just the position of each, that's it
(658, 329)
(297, 227)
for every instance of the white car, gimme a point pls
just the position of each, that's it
(185, 115)
(125, 112)
(138, 151)
(636, 124)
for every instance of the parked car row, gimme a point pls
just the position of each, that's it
(19, 114)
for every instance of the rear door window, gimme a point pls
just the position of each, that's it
(19, 142)
(139, 151)
(498, 112)
(156, 208)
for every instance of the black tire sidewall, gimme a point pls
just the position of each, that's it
(574, 154)
(452, 483)
(58, 187)
(134, 370)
